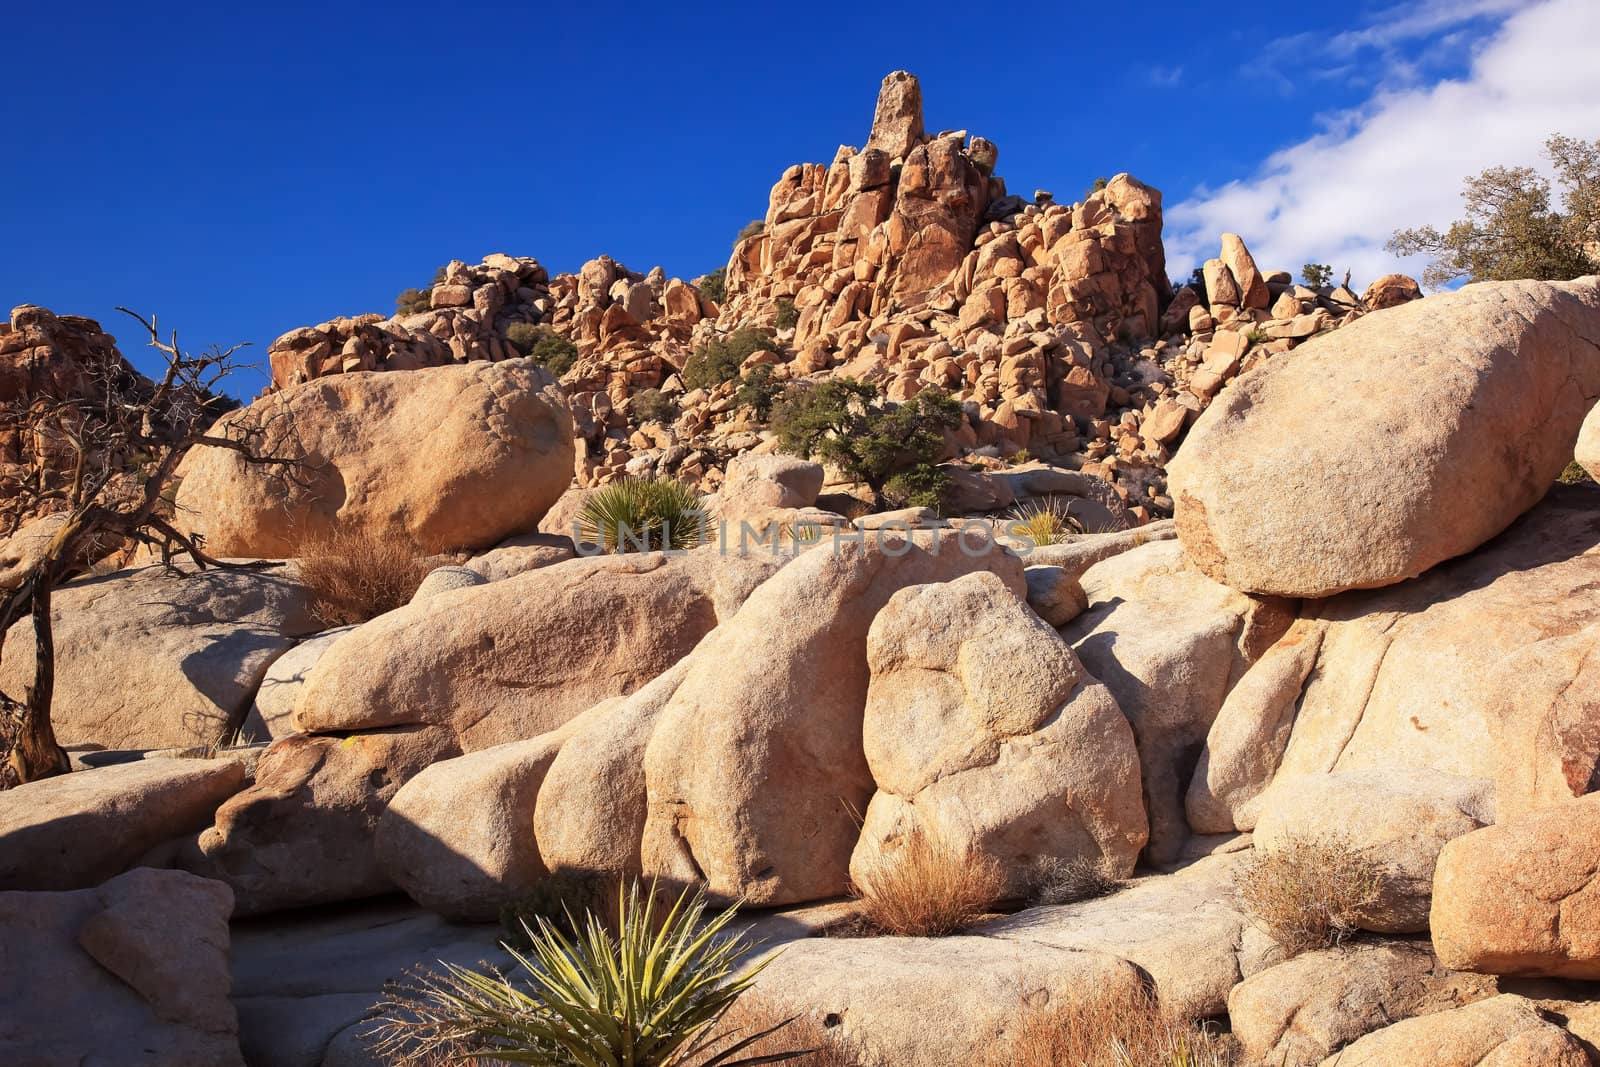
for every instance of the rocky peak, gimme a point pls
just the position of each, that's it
(897, 122)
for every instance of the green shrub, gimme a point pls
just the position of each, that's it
(923, 486)
(751, 229)
(719, 361)
(642, 515)
(788, 314)
(1574, 474)
(523, 336)
(548, 348)
(850, 425)
(652, 405)
(413, 301)
(758, 392)
(1316, 275)
(714, 286)
(650, 995)
(1099, 184)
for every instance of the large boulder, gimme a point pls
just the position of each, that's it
(756, 762)
(444, 458)
(134, 972)
(271, 716)
(303, 832)
(1523, 897)
(1477, 671)
(517, 658)
(1503, 1031)
(982, 730)
(76, 830)
(1454, 415)
(152, 658)
(458, 837)
(1169, 643)
(1306, 1009)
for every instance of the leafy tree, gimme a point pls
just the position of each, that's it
(719, 361)
(758, 392)
(1512, 227)
(1316, 275)
(714, 286)
(850, 425)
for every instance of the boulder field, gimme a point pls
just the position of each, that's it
(1371, 626)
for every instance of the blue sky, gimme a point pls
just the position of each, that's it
(243, 170)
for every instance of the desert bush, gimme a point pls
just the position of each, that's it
(927, 887)
(1511, 229)
(642, 515)
(1574, 474)
(548, 348)
(651, 995)
(922, 486)
(1309, 892)
(1316, 275)
(1256, 336)
(1125, 1028)
(751, 229)
(355, 575)
(412, 301)
(1059, 881)
(758, 392)
(850, 425)
(1043, 522)
(652, 405)
(719, 361)
(714, 286)
(788, 314)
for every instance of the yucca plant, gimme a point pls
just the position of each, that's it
(1043, 522)
(643, 514)
(649, 996)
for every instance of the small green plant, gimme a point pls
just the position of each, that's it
(1574, 474)
(652, 405)
(643, 515)
(751, 229)
(548, 348)
(1310, 892)
(413, 301)
(1316, 275)
(788, 314)
(1021, 456)
(1099, 184)
(850, 425)
(758, 392)
(649, 995)
(1257, 336)
(922, 486)
(714, 286)
(719, 361)
(1044, 522)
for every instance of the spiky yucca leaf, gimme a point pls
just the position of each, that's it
(642, 514)
(648, 997)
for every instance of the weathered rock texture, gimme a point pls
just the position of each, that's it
(154, 659)
(1498, 380)
(442, 459)
(983, 731)
(133, 972)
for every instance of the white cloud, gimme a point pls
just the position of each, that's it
(1399, 159)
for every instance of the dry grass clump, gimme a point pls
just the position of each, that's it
(928, 887)
(1043, 522)
(1124, 1028)
(355, 575)
(1309, 892)
(1059, 881)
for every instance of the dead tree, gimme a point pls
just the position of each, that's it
(104, 462)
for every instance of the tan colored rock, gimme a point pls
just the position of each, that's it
(756, 486)
(1253, 292)
(1169, 643)
(591, 808)
(1055, 595)
(1305, 1009)
(1587, 451)
(1503, 1031)
(1501, 376)
(517, 658)
(983, 731)
(271, 716)
(458, 837)
(303, 832)
(524, 552)
(498, 454)
(1522, 897)
(1221, 288)
(757, 759)
(151, 659)
(77, 830)
(23, 550)
(134, 971)
(1389, 291)
(897, 122)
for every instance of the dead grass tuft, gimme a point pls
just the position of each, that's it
(1309, 892)
(1058, 881)
(355, 576)
(1126, 1028)
(928, 887)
